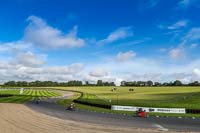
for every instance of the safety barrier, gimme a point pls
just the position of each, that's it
(150, 109)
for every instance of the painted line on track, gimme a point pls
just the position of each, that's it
(161, 128)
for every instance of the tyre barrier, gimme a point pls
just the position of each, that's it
(93, 104)
(192, 111)
(5, 95)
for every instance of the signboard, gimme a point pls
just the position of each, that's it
(149, 109)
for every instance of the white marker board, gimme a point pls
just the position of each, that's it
(149, 109)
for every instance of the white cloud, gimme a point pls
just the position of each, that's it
(192, 35)
(28, 59)
(71, 69)
(27, 64)
(184, 4)
(162, 50)
(138, 69)
(41, 34)
(20, 72)
(196, 72)
(10, 46)
(193, 45)
(122, 57)
(177, 53)
(178, 25)
(98, 72)
(147, 4)
(120, 33)
(151, 69)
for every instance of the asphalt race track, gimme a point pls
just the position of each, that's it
(49, 107)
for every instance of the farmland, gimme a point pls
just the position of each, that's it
(14, 96)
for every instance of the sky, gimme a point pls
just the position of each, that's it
(131, 40)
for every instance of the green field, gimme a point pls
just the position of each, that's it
(182, 97)
(14, 96)
(173, 97)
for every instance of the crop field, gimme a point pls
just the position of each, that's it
(13, 95)
(183, 97)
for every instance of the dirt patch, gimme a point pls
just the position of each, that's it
(17, 118)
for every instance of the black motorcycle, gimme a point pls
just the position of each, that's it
(71, 107)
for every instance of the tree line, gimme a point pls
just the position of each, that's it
(151, 83)
(53, 84)
(98, 83)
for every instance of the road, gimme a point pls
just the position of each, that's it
(49, 107)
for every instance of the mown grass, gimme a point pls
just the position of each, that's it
(27, 95)
(67, 102)
(175, 97)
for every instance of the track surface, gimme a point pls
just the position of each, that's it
(49, 107)
(18, 118)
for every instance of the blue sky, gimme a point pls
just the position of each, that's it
(101, 39)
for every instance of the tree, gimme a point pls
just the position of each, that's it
(100, 83)
(86, 83)
(10, 83)
(149, 83)
(157, 84)
(177, 83)
(123, 83)
(195, 83)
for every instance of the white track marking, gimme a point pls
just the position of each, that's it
(161, 128)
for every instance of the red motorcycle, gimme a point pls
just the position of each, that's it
(141, 113)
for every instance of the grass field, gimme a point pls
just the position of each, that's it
(177, 97)
(183, 97)
(14, 96)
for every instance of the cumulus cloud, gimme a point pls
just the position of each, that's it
(120, 33)
(179, 24)
(125, 56)
(28, 64)
(98, 72)
(28, 59)
(71, 69)
(20, 72)
(152, 69)
(41, 34)
(10, 46)
(140, 69)
(196, 72)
